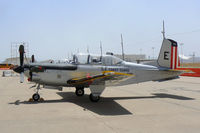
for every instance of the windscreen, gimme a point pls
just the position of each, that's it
(111, 60)
(107, 60)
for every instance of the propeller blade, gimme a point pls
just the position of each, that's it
(21, 67)
(32, 59)
(21, 77)
(21, 54)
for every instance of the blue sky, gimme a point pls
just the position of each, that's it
(57, 28)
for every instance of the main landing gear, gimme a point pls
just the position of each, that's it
(79, 91)
(96, 91)
(94, 98)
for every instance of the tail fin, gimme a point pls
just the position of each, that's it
(168, 56)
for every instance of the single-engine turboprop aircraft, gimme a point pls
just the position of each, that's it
(97, 72)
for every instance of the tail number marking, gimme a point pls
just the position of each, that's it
(166, 53)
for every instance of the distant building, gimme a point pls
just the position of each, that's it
(191, 60)
(15, 61)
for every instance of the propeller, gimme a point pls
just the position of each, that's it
(32, 59)
(21, 56)
(20, 69)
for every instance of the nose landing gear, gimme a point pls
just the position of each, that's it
(36, 96)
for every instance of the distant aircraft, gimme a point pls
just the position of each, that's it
(184, 57)
(98, 71)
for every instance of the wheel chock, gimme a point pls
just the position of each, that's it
(41, 99)
(31, 100)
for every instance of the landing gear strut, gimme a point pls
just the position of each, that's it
(79, 91)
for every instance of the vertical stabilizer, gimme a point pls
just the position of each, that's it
(168, 56)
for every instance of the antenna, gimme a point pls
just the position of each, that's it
(193, 57)
(88, 49)
(122, 47)
(101, 50)
(163, 32)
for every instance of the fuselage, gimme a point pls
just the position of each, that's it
(59, 77)
(99, 71)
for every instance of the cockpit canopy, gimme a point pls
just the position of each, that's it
(107, 60)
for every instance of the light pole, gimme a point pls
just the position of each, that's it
(193, 57)
(140, 55)
(140, 51)
(181, 44)
(153, 52)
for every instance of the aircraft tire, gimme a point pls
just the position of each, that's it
(94, 98)
(79, 92)
(36, 97)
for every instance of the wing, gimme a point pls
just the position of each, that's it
(111, 76)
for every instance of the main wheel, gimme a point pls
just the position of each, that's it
(36, 97)
(80, 92)
(94, 98)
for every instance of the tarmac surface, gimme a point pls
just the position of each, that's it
(153, 107)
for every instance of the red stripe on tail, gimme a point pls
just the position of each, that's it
(171, 57)
(175, 58)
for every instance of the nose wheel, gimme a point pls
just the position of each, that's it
(36, 97)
